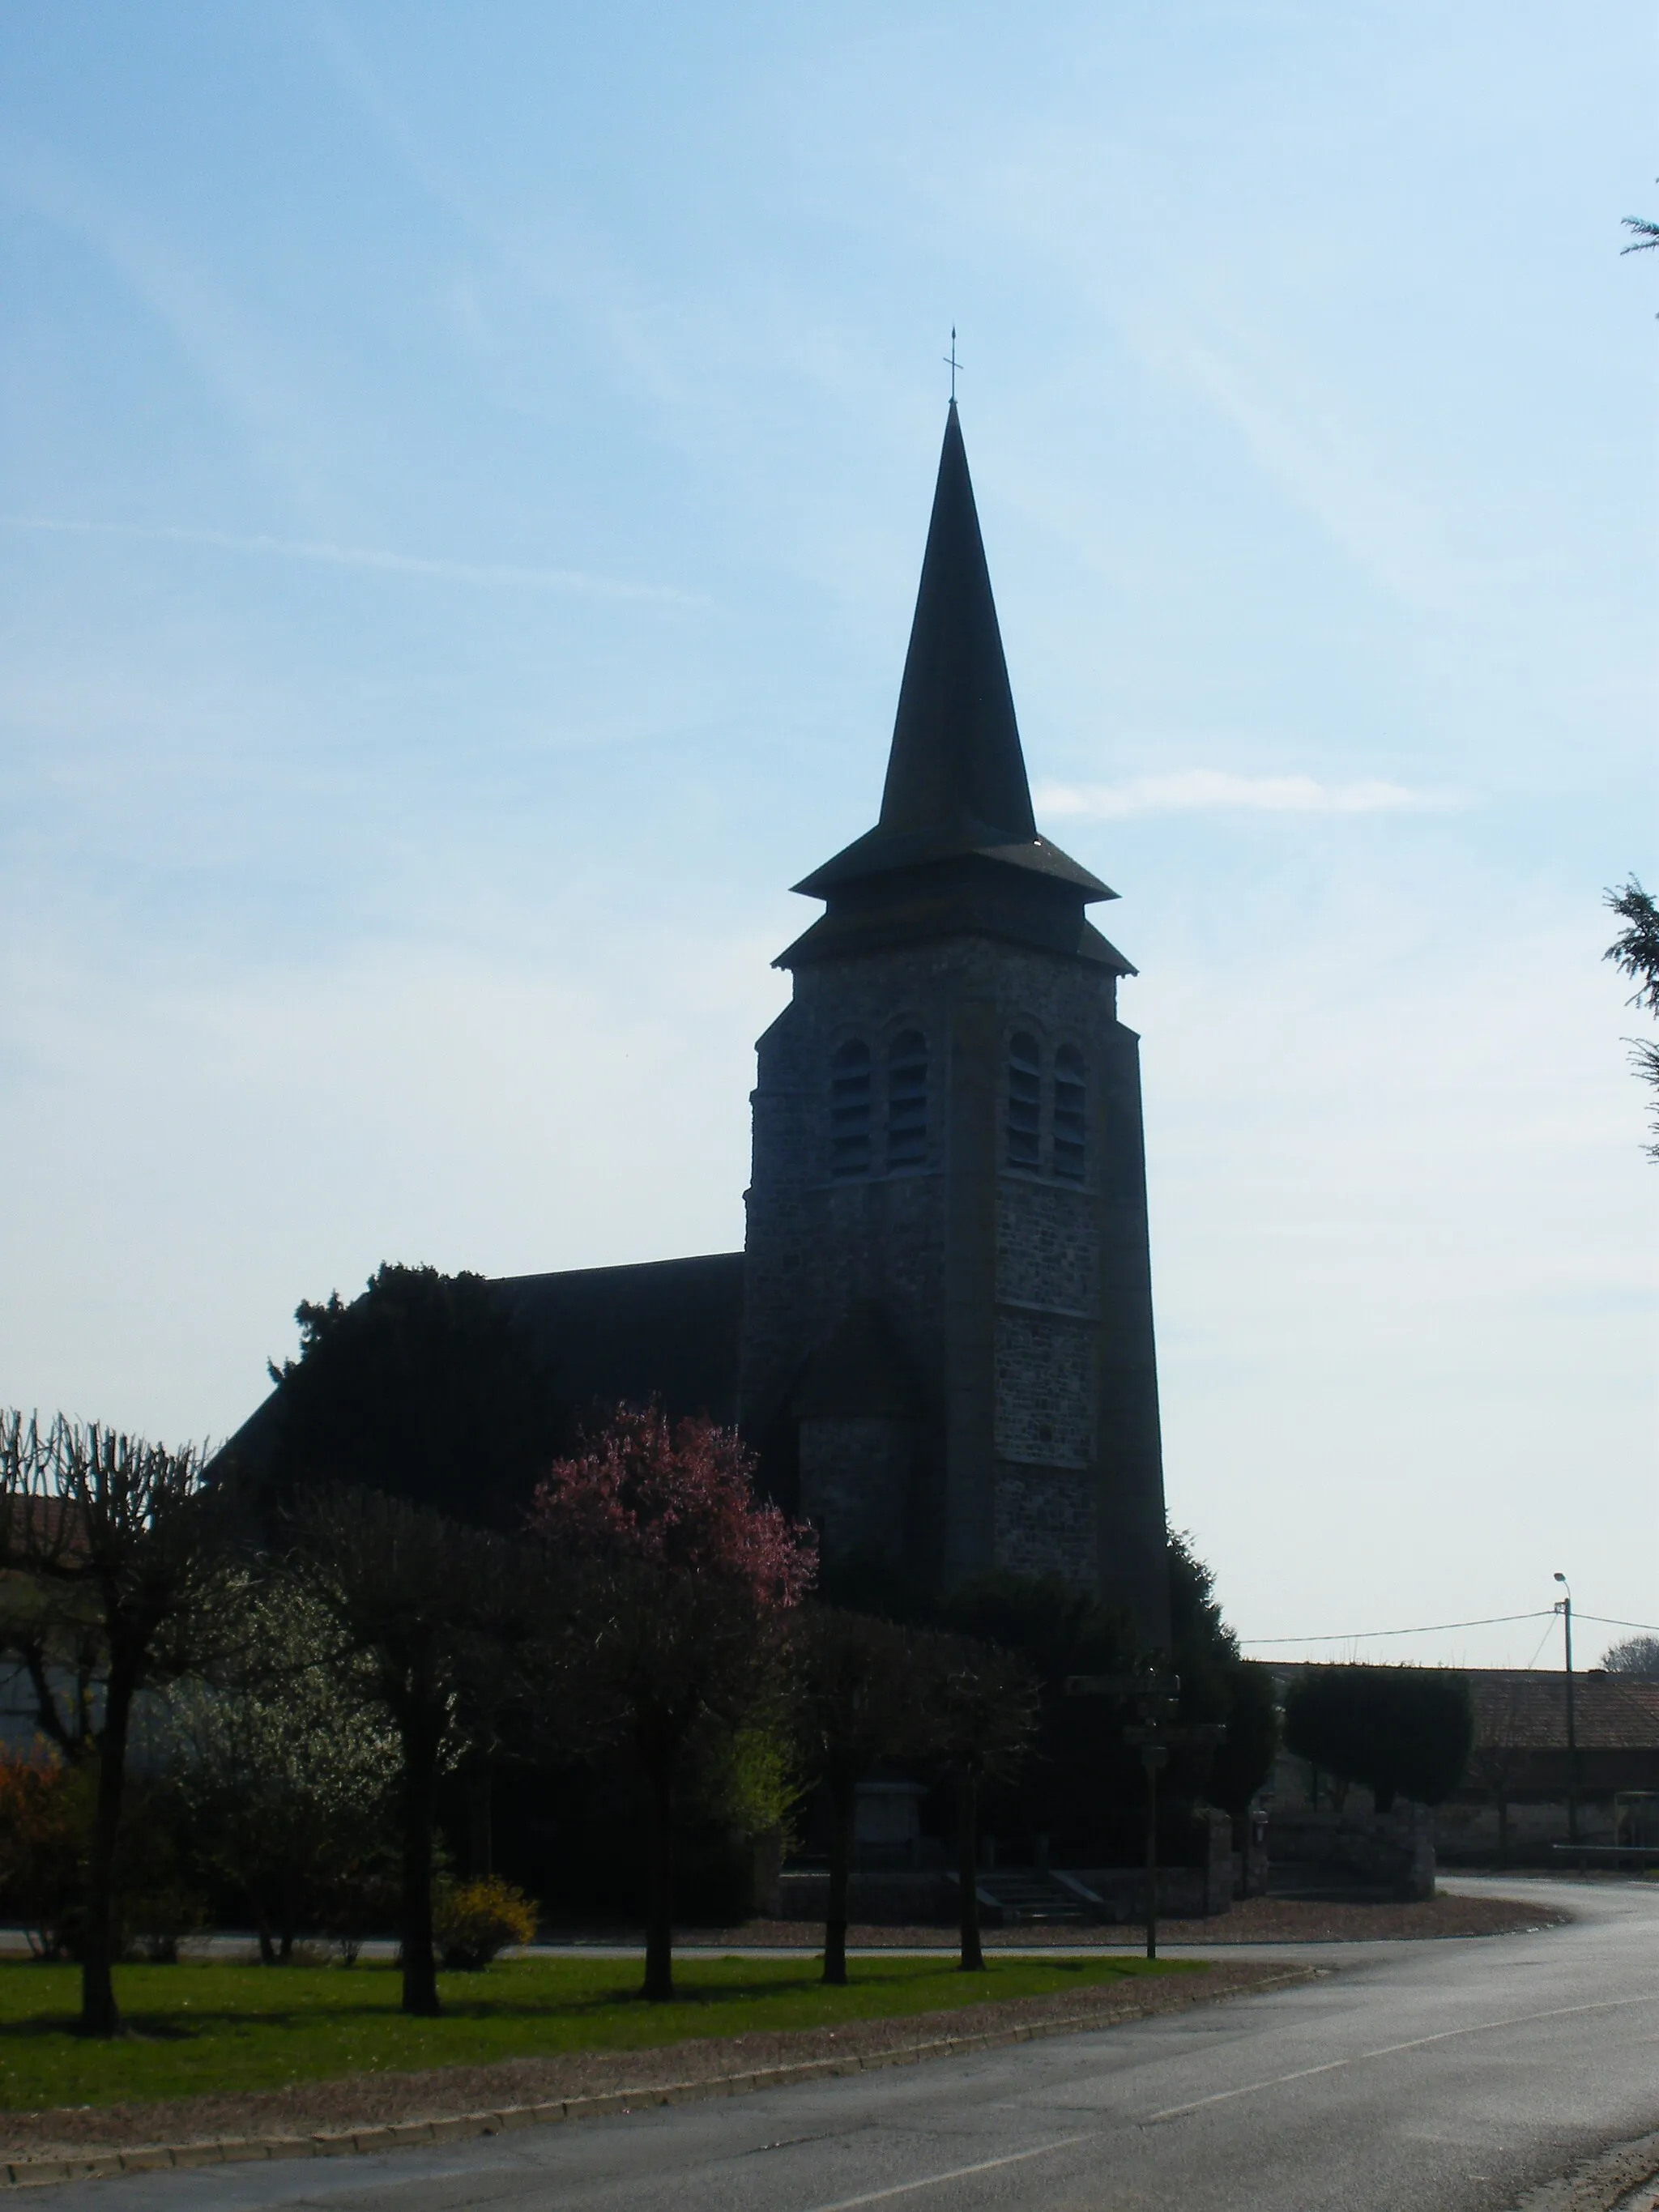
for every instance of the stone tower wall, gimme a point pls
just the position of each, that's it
(1020, 1301)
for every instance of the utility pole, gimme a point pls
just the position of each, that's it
(1564, 1606)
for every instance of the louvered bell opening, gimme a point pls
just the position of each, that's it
(1024, 1103)
(906, 1102)
(1070, 1101)
(850, 1111)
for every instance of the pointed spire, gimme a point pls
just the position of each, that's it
(955, 775)
(956, 766)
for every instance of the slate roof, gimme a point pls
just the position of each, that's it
(609, 1336)
(665, 1328)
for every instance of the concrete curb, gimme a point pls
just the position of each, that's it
(346, 2143)
(1606, 2182)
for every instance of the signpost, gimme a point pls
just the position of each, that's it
(1158, 1736)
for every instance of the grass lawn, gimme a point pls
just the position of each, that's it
(203, 2029)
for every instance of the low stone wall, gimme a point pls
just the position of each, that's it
(1111, 1895)
(1390, 1851)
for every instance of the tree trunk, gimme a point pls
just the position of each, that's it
(480, 1820)
(973, 1956)
(420, 1734)
(659, 1908)
(1502, 1826)
(262, 1930)
(843, 1808)
(99, 2013)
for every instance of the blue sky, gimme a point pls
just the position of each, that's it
(463, 475)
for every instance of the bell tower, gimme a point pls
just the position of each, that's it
(947, 1359)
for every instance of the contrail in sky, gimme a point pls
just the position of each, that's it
(369, 556)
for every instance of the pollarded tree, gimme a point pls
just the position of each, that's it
(859, 1699)
(1402, 1731)
(982, 1707)
(114, 1544)
(429, 1606)
(686, 1578)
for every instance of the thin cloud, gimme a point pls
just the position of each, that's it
(487, 572)
(1208, 790)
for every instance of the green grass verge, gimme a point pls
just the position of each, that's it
(212, 2030)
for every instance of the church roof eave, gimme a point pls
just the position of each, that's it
(836, 935)
(880, 852)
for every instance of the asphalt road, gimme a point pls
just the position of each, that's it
(1445, 2077)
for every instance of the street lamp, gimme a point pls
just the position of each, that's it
(1564, 1606)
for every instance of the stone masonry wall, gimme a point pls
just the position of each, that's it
(1019, 1300)
(1046, 1522)
(1047, 1246)
(1046, 1390)
(855, 1476)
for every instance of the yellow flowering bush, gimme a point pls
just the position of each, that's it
(474, 1920)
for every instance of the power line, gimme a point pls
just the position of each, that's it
(1434, 1628)
(1541, 1642)
(1438, 1627)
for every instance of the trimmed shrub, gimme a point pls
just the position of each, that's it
(1403, 1731)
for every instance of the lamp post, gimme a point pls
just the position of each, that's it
(1564, 1606)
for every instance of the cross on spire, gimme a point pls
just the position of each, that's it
(953, 364)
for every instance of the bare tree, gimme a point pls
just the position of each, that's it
(858, 1700)
(1636, 1657)
(112, 1539)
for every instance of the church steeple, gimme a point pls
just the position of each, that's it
(956, 770)
(948, 1363)
(956, 798)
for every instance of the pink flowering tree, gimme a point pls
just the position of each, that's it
(687, 1576)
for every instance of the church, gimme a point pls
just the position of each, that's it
(938, 1334)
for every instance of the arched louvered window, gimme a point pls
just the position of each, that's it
(1025, 1102)
(849, 1110)
(907, 1101)
(1071, 1097)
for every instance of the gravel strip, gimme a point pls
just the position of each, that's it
(287, 2122)
(1620, 2180)
(1256, 1920)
